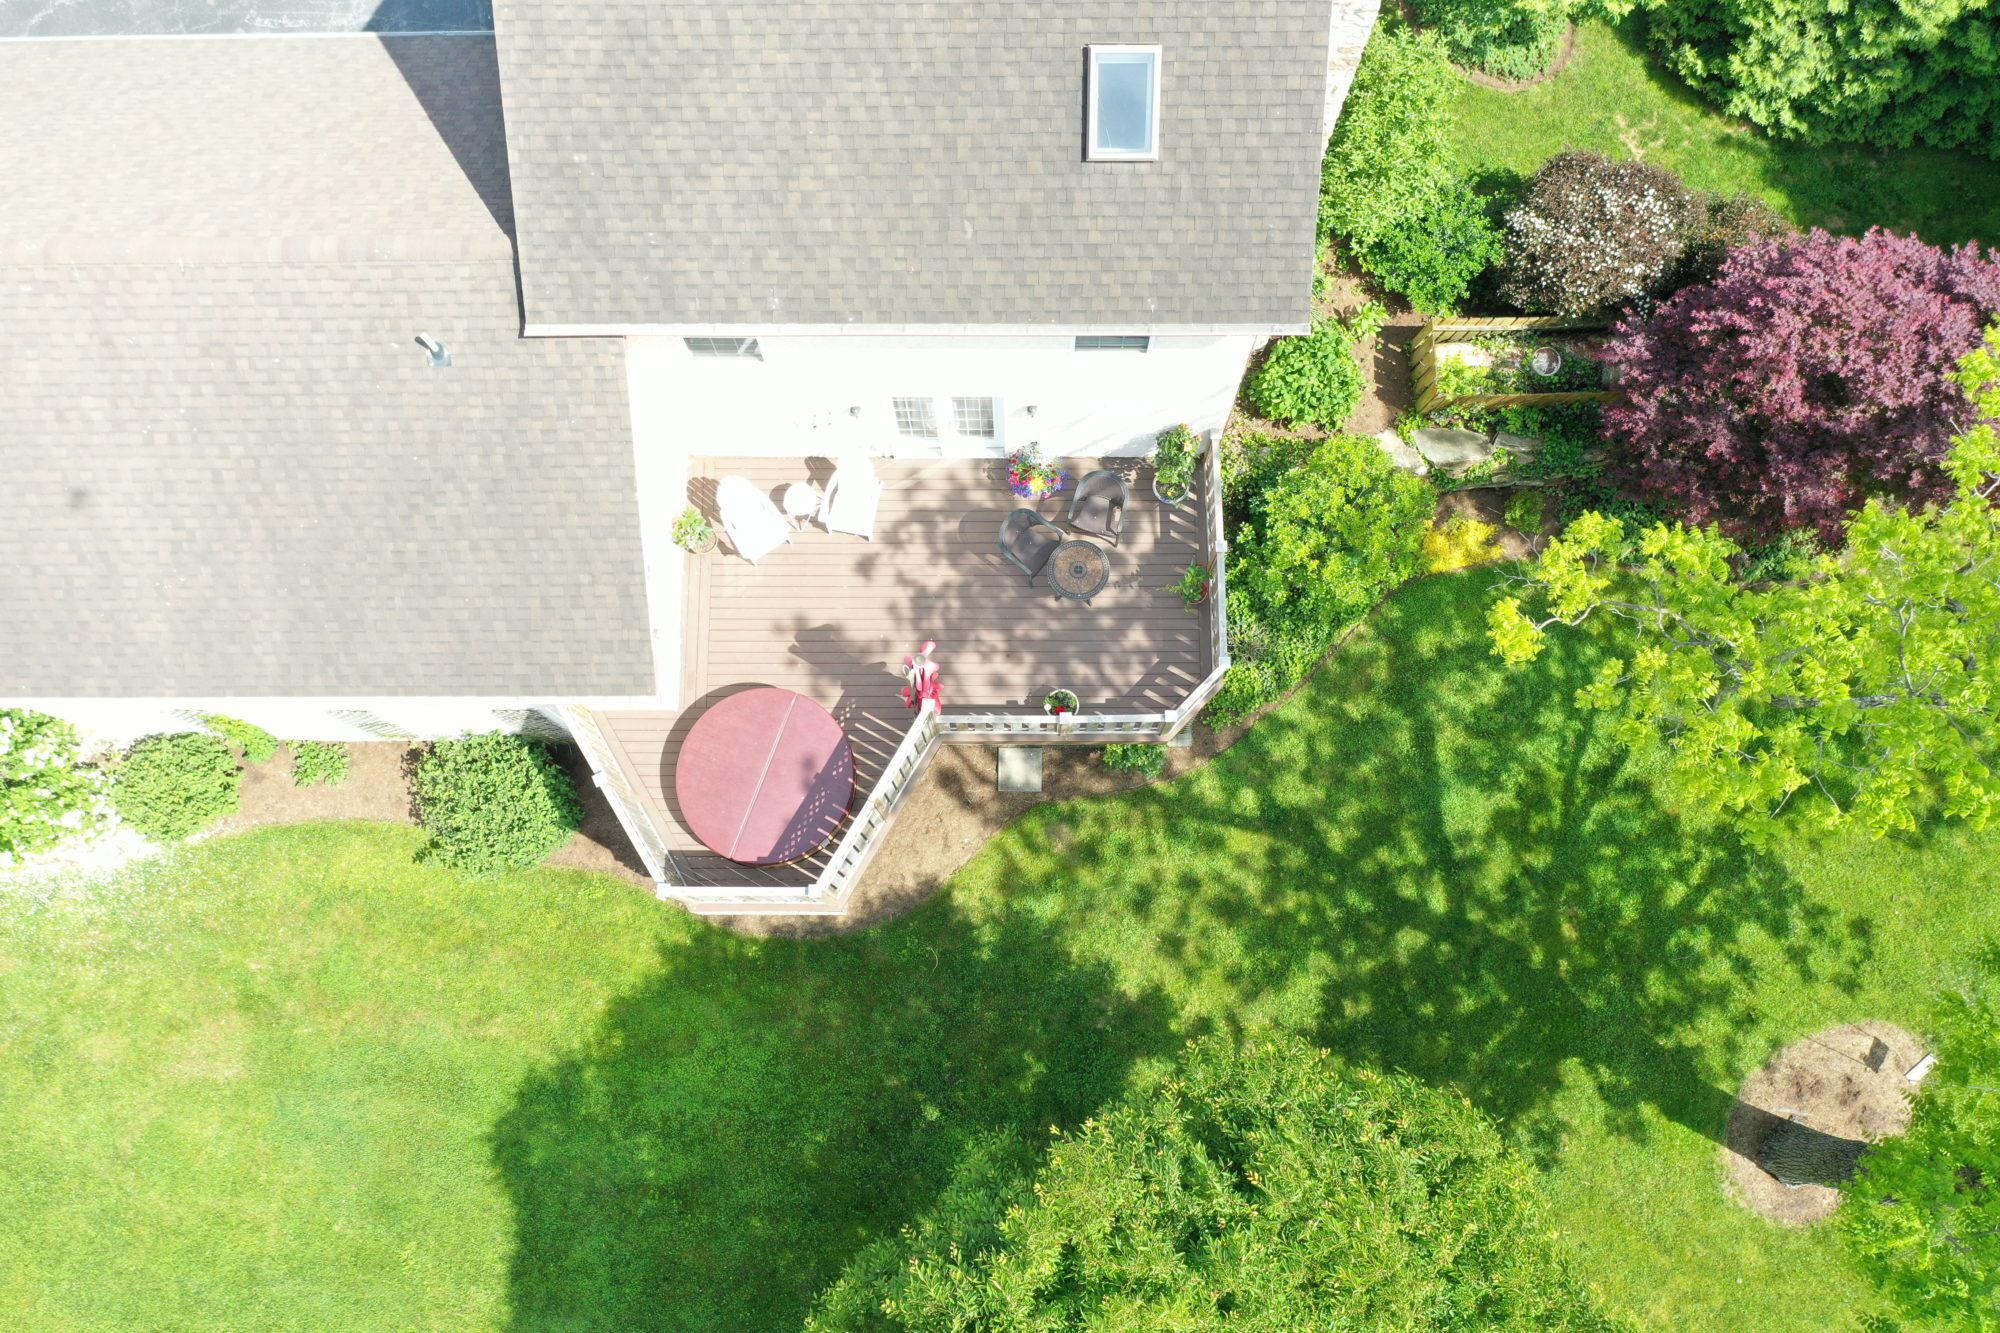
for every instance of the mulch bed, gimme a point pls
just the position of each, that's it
(377, 787)
(1847, 1082)
(955, 810)
(1386, 392)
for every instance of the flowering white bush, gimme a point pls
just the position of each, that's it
(1590, 234)
(47, 793)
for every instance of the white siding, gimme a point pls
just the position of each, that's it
(797, 401)
(115, 723)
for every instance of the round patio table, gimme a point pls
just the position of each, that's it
(764, 777)
(1079, 570)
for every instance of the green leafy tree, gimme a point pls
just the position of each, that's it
(1922, 1215)
(1895, 72)
(47, 793)
(1863, 689)
(1266, 1188)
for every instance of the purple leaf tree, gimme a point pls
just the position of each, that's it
(1811, 373)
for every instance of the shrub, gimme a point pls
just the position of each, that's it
(1459, 542)
(1524, 511)
(1149, 761)
(256, 743)
(318, 762)
(1175, 452)
(1509, 39)
(1391, 188)
(1392, 147)
(1812, 373)
(1432, 258)
(170, 785)
(1922, 1212)
(47, 792)
(1320, 537)
(1314, 380)
(1333, 534)
(494, 802)
(1590, 233)
(1724, 224)
(1264, 1187)
(1876, 71)
(1573, 463)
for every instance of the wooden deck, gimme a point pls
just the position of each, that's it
(832, 617)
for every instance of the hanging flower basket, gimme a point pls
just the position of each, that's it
(1033, 477)
(1061, 703)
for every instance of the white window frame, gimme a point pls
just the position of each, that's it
(1091, 152)
(949, 441)
(704, 348)
(960, 401)
(1113, 342)
(930, 412)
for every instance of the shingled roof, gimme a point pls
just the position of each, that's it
(231, 471)
(710, 164)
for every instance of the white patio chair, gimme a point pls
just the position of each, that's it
(852, 498)
(754, 525)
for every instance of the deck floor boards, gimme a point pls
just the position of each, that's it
(832, 616)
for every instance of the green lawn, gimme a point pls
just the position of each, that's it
(1617, 101)
(289, 1080)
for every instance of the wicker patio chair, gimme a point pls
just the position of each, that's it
(1098, 507)
(1028, 539)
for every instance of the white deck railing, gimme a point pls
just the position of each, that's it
(831, 888)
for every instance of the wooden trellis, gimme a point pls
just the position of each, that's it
(1423, 362)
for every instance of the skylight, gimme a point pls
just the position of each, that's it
(1124, 104)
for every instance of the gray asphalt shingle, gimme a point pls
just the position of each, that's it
(230, 469)
(908, 162)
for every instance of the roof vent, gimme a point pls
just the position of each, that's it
(433, 350)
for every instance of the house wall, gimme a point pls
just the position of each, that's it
(796, 401)
(115, 723)
(1353, 20)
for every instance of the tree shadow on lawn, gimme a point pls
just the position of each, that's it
(758, 1109)
(1428, 862)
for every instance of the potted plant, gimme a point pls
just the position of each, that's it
(1031, 476)
(1061, 703)
(1194, 586)
(1174, 455)
(693, 533)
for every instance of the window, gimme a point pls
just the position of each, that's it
(1113, 342)
(914, 417)
(1124, 104)
(745, 347)
(974, 417)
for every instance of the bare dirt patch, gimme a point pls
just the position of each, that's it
(955, 810)
(1488, 504)
(1846, 1082)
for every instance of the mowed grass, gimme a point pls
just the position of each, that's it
(1615, 99)
(289, 1080)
